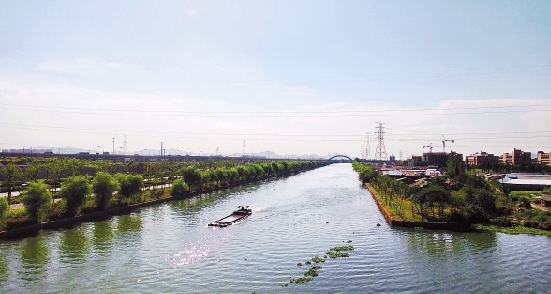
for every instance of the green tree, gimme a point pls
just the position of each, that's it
(37, 200)
(54, 168)
(104, 185)
(192, 177)
(276, 168)
(205, 179)
(437, 196)
(268, 169)
(233, 175)
(4, 207)
(73, 166)
(131, 185)
(222, 175)
(456, 167)
(10, 174)
(242, 173)
(480, 199)
(74, 190)
(179, 187)
(31, 171)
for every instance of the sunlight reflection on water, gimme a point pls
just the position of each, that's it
(196, 250)
(170, 249)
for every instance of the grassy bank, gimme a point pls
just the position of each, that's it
(440, 205)
(79, 200)
(513, 230)
(400, 213)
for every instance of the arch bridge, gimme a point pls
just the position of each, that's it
(340, 156)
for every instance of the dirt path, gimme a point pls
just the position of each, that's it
(20, 205)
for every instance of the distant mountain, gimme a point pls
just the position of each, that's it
(171, 151)
(268, 154)
(271, 154)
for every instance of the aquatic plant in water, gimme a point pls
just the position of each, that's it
(334, 255)
(301, 280)
(313, 271)
(309, 275)
(342, 248)
(316, 259)
(336, 252)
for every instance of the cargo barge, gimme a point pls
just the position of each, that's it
(241, 213)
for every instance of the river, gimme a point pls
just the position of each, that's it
(169, 248)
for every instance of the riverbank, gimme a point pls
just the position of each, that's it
(29, 230)
(397, 220)
(162, 247)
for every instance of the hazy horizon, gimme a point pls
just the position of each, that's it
(292, 77)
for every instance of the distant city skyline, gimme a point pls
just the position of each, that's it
(309, 77)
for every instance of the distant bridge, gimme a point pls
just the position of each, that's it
(342, 156)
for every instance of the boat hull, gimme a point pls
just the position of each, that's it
(236, 216)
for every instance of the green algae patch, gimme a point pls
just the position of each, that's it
(342, 248)
(301, 280)
(316, 259)
(313, 271)
(341, 251)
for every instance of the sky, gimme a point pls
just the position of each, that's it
(292, 77)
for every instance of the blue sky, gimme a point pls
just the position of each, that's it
(296, 77)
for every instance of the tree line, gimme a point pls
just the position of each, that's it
(456, 197)
(501, 167)
(116, 184)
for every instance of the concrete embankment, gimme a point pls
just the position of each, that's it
(394, 220)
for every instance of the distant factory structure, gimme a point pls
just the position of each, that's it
(526, 181)
(27, 150)
(438, 159)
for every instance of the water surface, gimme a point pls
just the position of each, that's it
(170, 248)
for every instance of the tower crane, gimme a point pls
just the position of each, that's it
(429, 146)
(444, 143)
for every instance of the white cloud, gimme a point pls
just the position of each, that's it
(76, 65)
(56, 115)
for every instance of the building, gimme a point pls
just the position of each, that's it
(526, 182)
(440, 159)
(482, 158)
(409, 171)
(543, 157)
(416, 161)
(517, 157)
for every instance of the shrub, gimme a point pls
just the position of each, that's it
(56, 210)
(524, 202)
(74, 190)
(37, 200)
(179, 188)
(4, 207)
(16, 213)
(192, 177)
(130, 187)
(157, 194)
(104, 186)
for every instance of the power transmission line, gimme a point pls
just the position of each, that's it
(346, 113)
(367, 147)
(380, 152)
